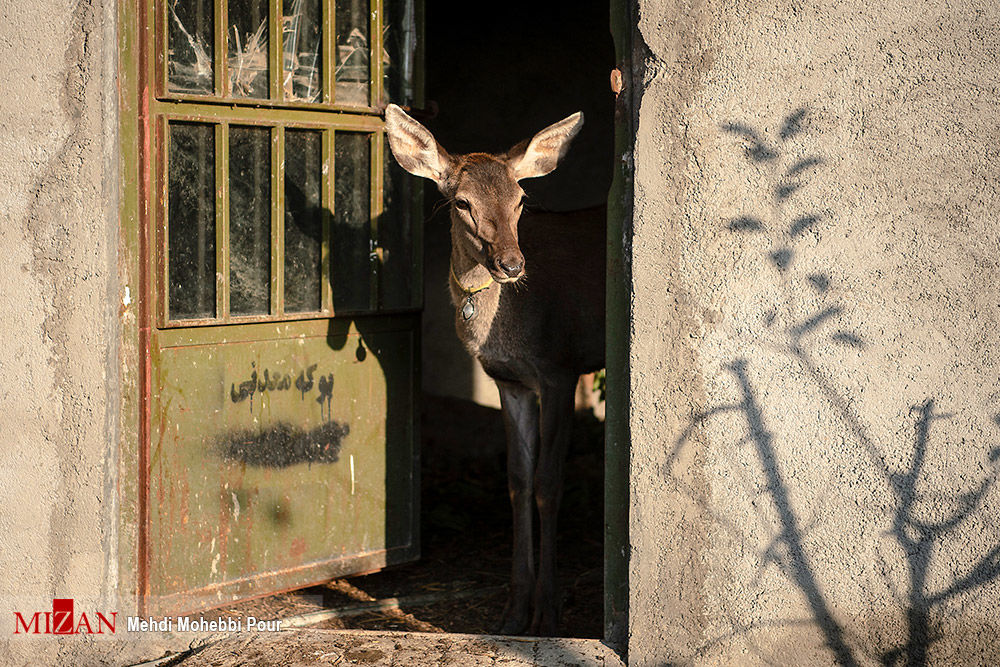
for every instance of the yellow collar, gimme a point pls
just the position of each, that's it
(470, 292)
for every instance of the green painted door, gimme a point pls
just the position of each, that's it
(283, 291)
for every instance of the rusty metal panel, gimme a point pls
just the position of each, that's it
(281, 455)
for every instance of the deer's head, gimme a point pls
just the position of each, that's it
(485, 197)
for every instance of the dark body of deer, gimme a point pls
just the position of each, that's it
(528, 291)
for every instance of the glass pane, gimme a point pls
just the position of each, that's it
(400, 38)
(190, 46)
(191, 221)
(303, 219)
(351, 76)
(303, 47)
(395, 233)
(351, 242)
(247, 37)
(249, 220)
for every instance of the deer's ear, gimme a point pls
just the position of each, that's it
(414, 146)
(542, 153)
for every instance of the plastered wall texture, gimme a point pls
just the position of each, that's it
(814, 349)
(58, 296)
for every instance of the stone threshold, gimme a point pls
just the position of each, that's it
(383, 648)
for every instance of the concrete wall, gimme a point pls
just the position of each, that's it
(815, 379)
(59, 301)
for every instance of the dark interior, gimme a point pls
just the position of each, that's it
(497, 77)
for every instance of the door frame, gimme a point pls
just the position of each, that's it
(134, 183)
(618, 434)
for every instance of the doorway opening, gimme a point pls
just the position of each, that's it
(493, 81)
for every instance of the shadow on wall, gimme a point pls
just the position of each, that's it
(919, 533)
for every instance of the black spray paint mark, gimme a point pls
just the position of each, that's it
(325, 395)
(277, 382)
(247, 388)
(284, 445)
(304, 382)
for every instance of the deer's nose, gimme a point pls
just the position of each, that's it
(512, 266)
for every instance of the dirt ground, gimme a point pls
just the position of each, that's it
(466, 537)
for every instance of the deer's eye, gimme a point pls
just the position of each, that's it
(462, 205)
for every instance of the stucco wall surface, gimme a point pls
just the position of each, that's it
(58, 296)
(814, 349)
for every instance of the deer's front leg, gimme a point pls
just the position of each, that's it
(520, 414)
(556, 429)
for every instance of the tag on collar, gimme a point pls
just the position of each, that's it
(469, 309)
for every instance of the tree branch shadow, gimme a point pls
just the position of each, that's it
(918, 538)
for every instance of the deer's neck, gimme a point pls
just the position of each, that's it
(471, 285)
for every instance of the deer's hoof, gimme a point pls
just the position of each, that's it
(545, 622)
(514, 620)
(512, 626)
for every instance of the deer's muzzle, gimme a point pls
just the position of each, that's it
(510, 265)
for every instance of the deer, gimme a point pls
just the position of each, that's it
(528, 291)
